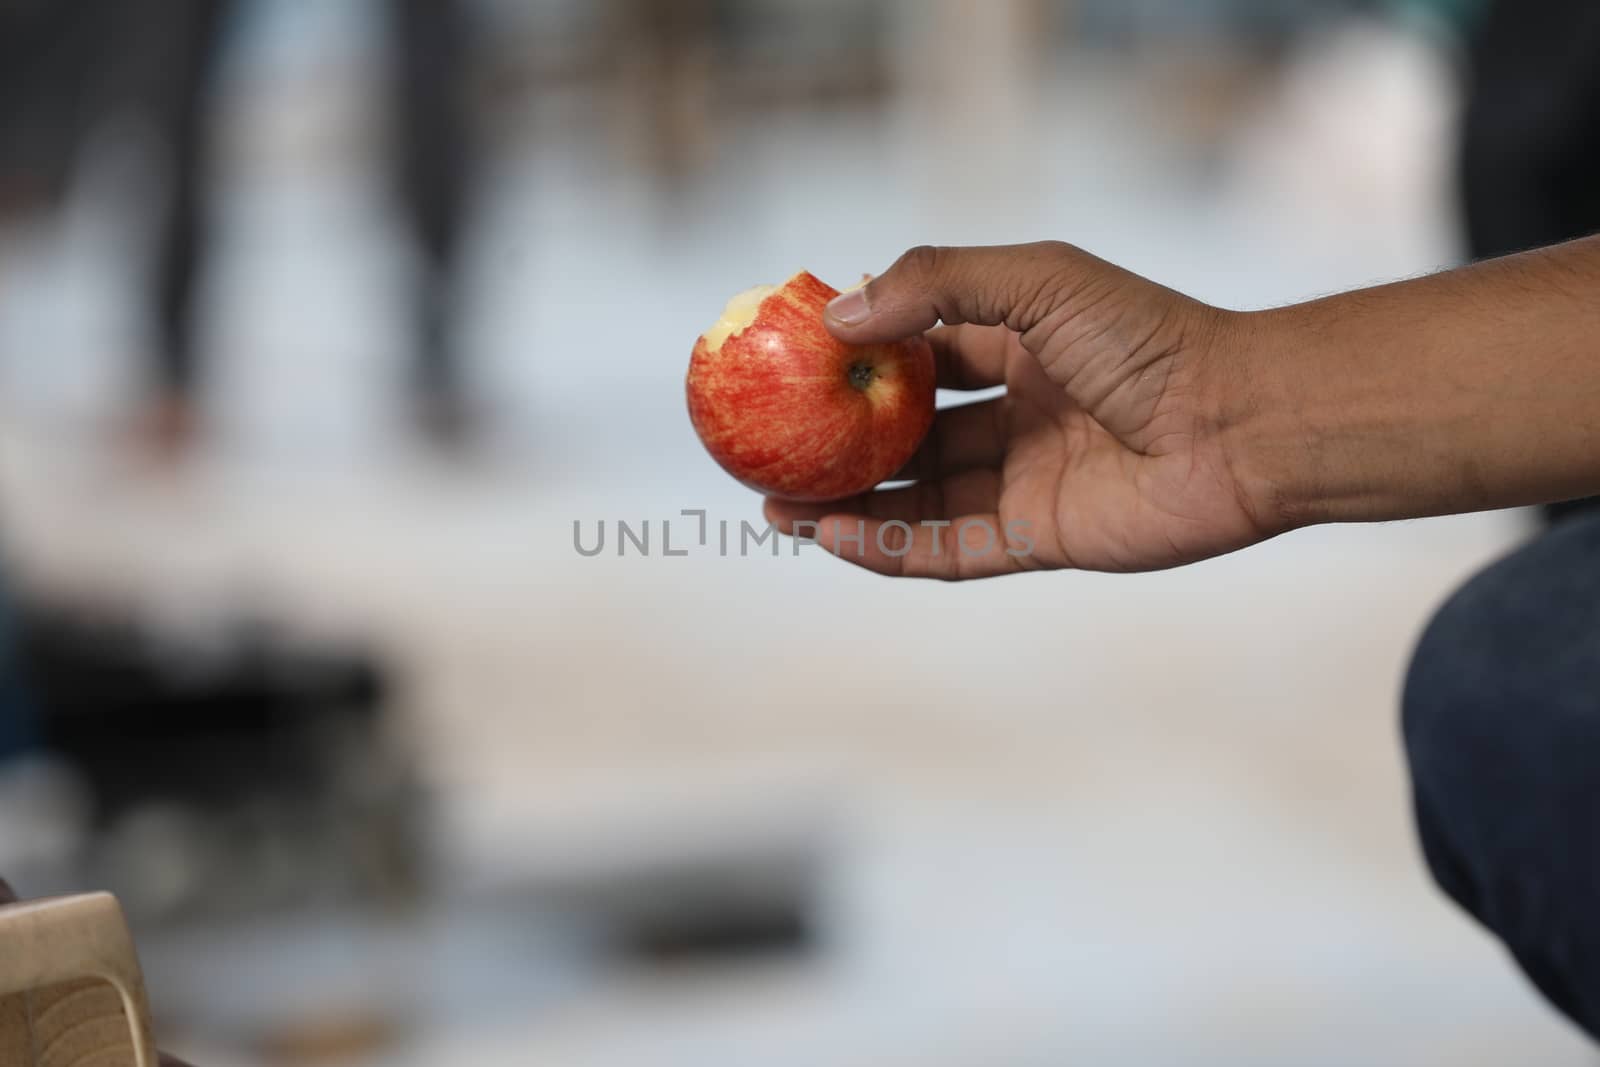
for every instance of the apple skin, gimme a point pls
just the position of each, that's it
(791, 411)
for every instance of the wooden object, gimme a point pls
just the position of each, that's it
(71, 994)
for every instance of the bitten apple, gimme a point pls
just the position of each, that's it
(790, 410)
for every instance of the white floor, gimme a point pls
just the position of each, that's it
(1078, 818)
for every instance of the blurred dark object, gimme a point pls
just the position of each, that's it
(16, 715)
(725, 880)
(186, 44)
(156, 719)
(722, 932)
(1568, 508)
(429, 93)
(1530, 155)
(1530, 160)
(239, 771)
(740, 906)
(48, 51)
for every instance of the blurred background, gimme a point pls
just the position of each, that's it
(325, 325)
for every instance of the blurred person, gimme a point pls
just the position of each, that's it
(1141, 429)
(8, 896)
(428, 97)
(1530, 154)
(53, 58)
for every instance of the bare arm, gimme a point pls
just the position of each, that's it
(1142, 429)
(1471, 389)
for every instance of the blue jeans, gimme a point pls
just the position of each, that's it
(1501, 717)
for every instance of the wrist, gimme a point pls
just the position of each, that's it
(1460, 391)
(1330, 421)
(1264, 419)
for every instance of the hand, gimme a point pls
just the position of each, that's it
(8, 896)
(1109, 449)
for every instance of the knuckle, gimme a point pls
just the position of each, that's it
(1059, 273)
(923, 262)
(1057, 250)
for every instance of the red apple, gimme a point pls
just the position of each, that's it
(790, 410)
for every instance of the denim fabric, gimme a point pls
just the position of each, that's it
(1501, 717)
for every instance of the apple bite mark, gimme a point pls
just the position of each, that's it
(740, 313)
(790, 410)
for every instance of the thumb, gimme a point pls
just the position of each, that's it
(1017, 285)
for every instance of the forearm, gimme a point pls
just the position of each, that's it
(1470, 389)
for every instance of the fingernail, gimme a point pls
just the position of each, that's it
(849, 309)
